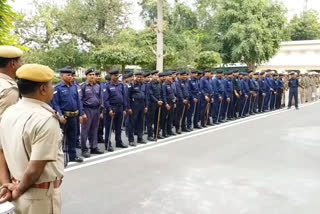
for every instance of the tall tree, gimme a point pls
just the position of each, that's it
(305, 27)
(250, 31)
(6, 18)
(159, 30)
(94, 21)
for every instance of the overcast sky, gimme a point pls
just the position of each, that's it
(293, 6)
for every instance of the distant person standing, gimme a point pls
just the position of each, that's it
(293, 90)
(67, 104)
(91, 98)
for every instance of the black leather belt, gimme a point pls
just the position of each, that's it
(92, 107)
(71, 113)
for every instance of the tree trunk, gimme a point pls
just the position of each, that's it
(251, 66)
(160, 37)
(123, 69)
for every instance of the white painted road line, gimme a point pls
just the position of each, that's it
(127, 152)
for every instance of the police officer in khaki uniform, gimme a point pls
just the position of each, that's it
(10, 61)
(37, 142)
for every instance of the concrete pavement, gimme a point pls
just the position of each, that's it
(263, 164)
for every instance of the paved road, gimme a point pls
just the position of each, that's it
(267, 164)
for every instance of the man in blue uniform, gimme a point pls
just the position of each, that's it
(138, 108)
(115, 108)
(169, 100)
(236, 94)
(91, 98)
(194, 92)
(269, 89)
(262, 92)
(254, 107)
(228, 96)
(75, 82)
(184, 103)
(155, 104)
(280, 92)
(67, 104)
(218, 89)
(293, 90)
(254, 88)
(102, 86)
(206, 95)
(244, 102)
(127, 80)
(146, 80)
(273, 100)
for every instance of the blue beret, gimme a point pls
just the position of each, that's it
(154, 72)
(130, 74)
(66, 70)
(90, 70)
(146, 74)
(182, 72)
(207, 70)
(107, 77)
(194, 71)
(114, 71)
(138, 73)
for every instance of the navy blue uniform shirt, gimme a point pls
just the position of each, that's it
(66, 98)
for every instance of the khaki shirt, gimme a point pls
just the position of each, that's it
(30, 130)
(9, 93)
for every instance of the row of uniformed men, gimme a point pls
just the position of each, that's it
(310, 84)
(167, 100)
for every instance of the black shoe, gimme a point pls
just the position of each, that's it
(96, 151)
(186, 130)
(132, 144)
(297, 108)
(209, 124)
(78, 146)
(86, 154)
(178, 132)
(190, 129)
(76, 159)
(110, 149)
(122, 146)
(197, 127)
(172, 134)
(160, 137)
(151, 139)
(216, 123)
(142, 141)
(289, 108)
(165, 136)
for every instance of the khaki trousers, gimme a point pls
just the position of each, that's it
(302, 95)
(39, 201)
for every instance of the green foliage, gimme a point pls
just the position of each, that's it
(6, 18)
(249, 31)
(94, 21)
(59, 57)
(182, 49)
(304, 27)
(208, 59)
(56, 80)
(119, 55)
